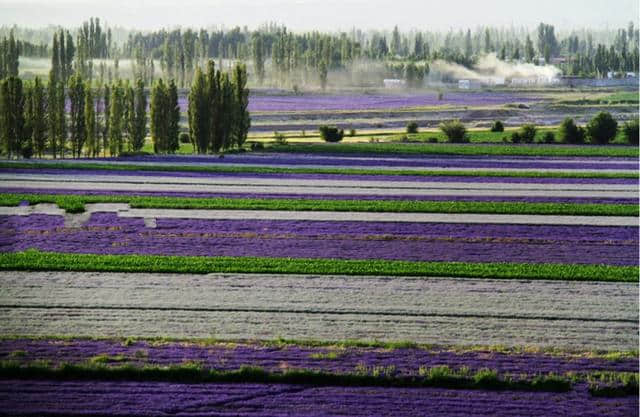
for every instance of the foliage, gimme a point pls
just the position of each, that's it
(331, 133)
(549, 137)
(455, 131)
(497, 126)
(12, 123)
(631, 131)
(528, 133)
(412, 127)
(76, 203)
(569, 132)
(90, 125)
(185, 138)
(33, 260)
(138, 110)
(77, 127)
(602, 128)
(279, 138)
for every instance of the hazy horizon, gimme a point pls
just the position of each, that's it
(321, 15)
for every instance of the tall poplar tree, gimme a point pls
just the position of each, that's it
(199, 113)
(106, 112)
(93, 142)
(241, 119)
(173, 110)
(159, 116)
(39, 118)
(140, 117)
(116, 122)
(77, 126)
(12, 122)
(61, 119)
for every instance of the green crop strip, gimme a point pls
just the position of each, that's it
(248, 169)
(462, 149)
(33, 260)
(76, 203)
(441, 377)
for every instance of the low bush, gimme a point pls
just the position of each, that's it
(569, 132)
(352, 132)
(256, 146)
(497, 126)
(455, 131)
(528, 133)
(279, 138)
(631, 131)
(602, 128)
(516, 137)
(549, 137)
(432, 140)
(184, 138)
(331, 133)
(412, 127)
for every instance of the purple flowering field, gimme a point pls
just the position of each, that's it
(60, 328)
(321, 102)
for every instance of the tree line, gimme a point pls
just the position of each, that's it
(74, 118)
(279, 57)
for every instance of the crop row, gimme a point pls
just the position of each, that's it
(106, 233)
(332, 359)
(178, 166)
(364, 197)
(74, 203)
(156, 398)
(249, 176)
(33, 260)
(422, 310)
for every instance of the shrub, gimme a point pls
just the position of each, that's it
(516, 137)
(412, 127)
(602, 128)
(279, 138)
(184, 138)
(549, 137)
(631, 131)
(455, 131)
(433, 140)
(331, 133)
(528, 133)
(497, 126)
(352, 132)
(569, 132)
(256, 146)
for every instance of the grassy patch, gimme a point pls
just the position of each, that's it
(33, 260)
(334, 171)
(194, 373)
(75, 204)
(462, 149)
(613, 384)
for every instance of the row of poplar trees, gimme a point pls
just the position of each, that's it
(218, 115)
(73, 117)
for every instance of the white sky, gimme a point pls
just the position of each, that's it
(323, 14)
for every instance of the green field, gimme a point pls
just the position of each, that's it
(33, 260)
(75, 204)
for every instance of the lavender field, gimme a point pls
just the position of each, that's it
(104, 319)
